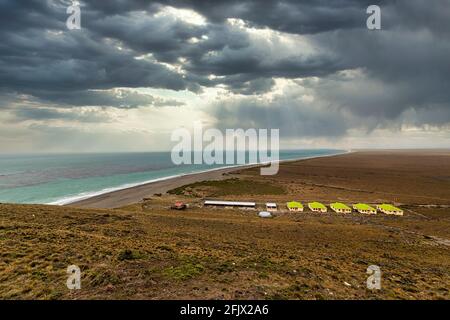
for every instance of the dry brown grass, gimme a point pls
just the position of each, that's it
(215, 254)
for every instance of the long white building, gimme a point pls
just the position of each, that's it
(220, 203)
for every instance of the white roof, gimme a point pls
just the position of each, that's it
(265, 214)
(271, 204)
(230, 203)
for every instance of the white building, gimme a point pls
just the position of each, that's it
(231, 204)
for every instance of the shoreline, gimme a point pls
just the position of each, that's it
(134, 194)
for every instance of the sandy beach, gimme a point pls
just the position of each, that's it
(127, 196)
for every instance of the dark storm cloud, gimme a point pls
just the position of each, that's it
(62, 105)
(24, 114)
(292, 117)
(39, 55)
(118, 98)
(256, 86)
(20, 15)
(47, 61)
(76, 61)
(403, 69)
(221, 50)
(165, 37)
(293, 16)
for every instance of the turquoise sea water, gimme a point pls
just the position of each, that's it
(64, 178)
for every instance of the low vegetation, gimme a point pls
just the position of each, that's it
(228, 187)
(220, 254)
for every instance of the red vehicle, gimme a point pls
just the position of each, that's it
(179, 205)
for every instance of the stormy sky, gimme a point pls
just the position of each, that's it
(137, 70)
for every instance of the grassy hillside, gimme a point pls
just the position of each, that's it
(155, 253)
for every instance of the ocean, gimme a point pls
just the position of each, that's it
(64, 178)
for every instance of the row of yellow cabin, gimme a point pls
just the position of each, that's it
(343, 208)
